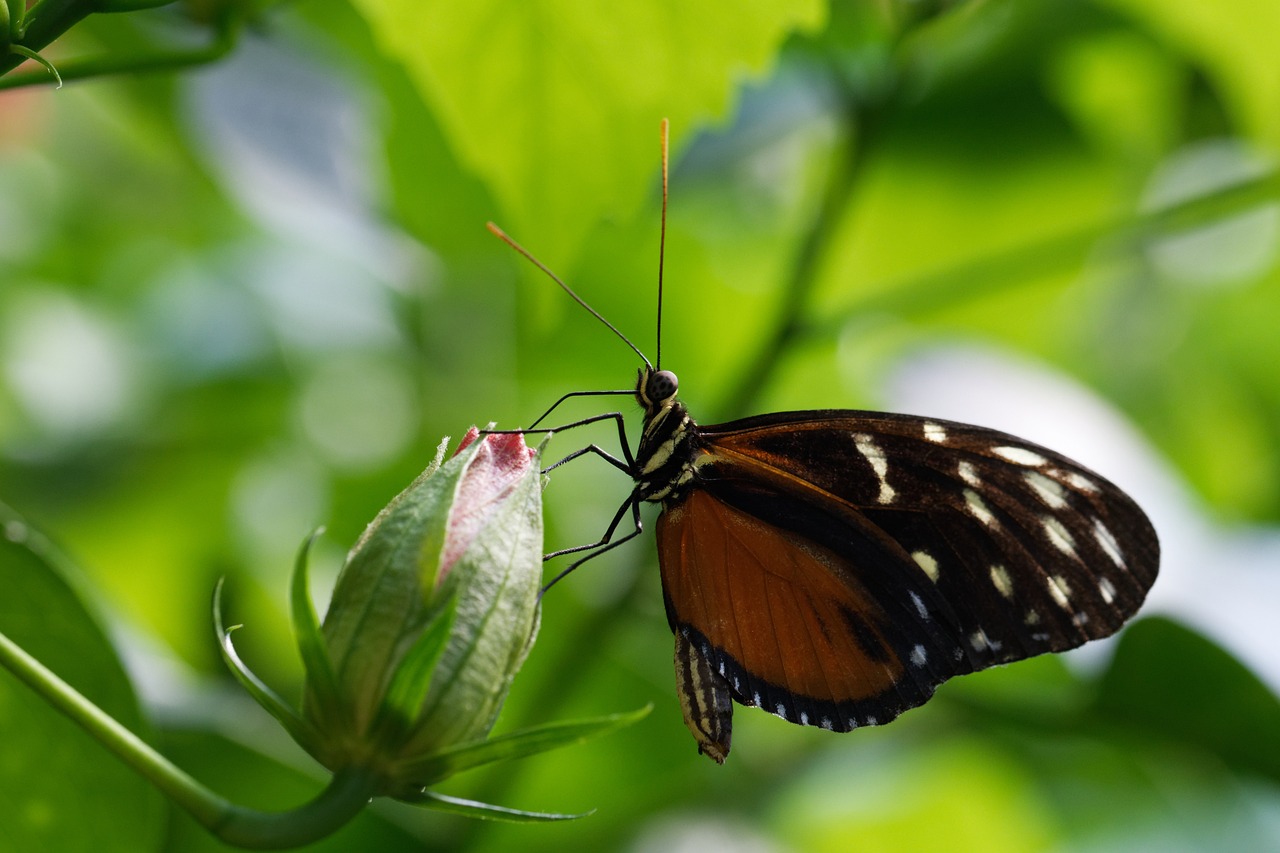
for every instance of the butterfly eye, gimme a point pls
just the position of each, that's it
(662, 386)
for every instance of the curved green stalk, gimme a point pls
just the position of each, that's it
(344, 798)
(39, 60)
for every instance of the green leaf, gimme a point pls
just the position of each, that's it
(913, 799)
(299, 729)
(306, 629)
(485, 811)
(1234, 41)
(1168, 681)
(59, 789)
(520, 744)
(556, 104)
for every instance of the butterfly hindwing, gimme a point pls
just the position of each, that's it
(835, 567)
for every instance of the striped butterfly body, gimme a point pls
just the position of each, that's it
(834, 567)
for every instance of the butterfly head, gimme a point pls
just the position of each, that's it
(656, 389)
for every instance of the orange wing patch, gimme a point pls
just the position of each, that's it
(786, 620)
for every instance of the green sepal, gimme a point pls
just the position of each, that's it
(35, 57)
(383, 588)
(484, 811)
(496, 581)
(402, 703)
(518, 744)
(321, 681)
(299, 729)
(12, 21)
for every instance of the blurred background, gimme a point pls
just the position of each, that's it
(249, 297)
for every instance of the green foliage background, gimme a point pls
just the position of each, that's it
(245, 300)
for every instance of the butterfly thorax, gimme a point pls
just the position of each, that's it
(669, 445)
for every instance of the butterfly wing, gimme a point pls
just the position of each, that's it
(834, 567)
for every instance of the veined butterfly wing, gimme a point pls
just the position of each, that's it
(835, 567)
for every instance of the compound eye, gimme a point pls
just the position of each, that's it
(662, 386)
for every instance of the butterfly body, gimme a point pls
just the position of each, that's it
(834, 567)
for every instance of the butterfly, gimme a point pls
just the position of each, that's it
(834, 567)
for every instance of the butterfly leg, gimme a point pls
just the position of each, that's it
(572, 394)
(591, 448)
(606, 542)
(616, 417)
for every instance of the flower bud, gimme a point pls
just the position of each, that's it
(432, 615)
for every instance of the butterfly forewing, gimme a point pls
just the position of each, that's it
(836, 566)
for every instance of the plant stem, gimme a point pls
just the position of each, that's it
(344, 798)
(113, 64)
(47, 20)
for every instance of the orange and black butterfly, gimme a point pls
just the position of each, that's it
(834, 567)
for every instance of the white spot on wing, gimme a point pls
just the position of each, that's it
(1059, 535)
(925, 561)
(1060, 590)
(804, 718)
(969, 474)
(935, 432)
(1077, 481)
(1032, 618)
(1019, 455)
(919, 656)
(1108, 542)
(826, 723)
(1003, 583)
(1050, 492)
(979, 507)
(979, 640)
(1107, 589)
(871, 451)
(920, 608)
(781, 710)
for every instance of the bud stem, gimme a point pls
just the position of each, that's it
(346, 795)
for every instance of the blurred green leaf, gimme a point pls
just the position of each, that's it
(1234, 41)
(556, 105)
(1169, 682)
(60, 789)
(916, 801)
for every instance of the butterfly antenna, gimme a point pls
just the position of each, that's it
(502, 235)
(662, 239)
